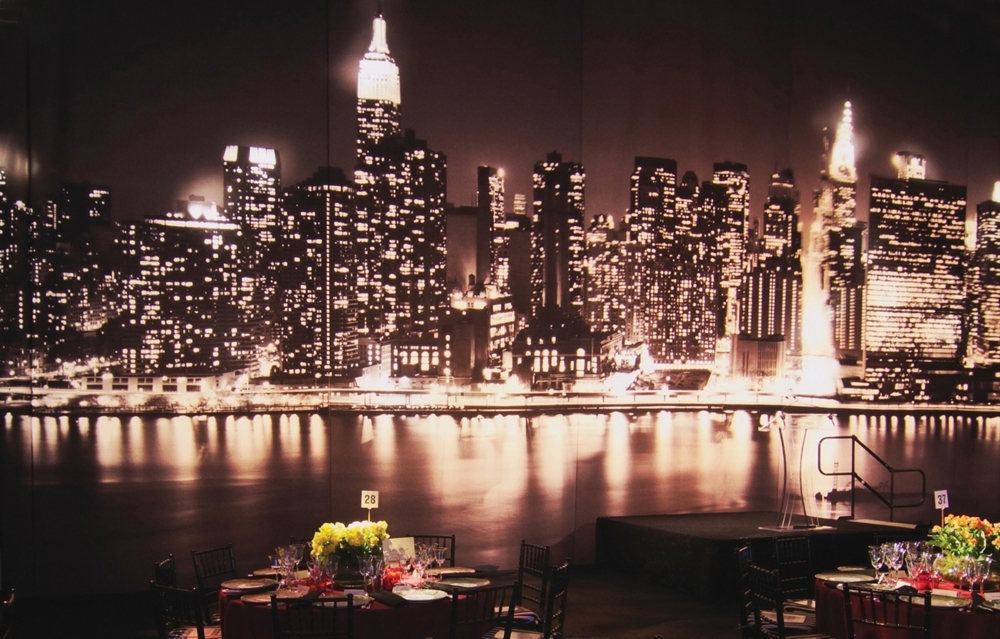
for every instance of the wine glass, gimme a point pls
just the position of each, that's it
(440, 555)
(366, 566)
(969, 568)
(877, 558)
(894, 559)
(984, 572)
(332, 567)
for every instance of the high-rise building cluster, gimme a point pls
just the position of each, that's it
(371, 274)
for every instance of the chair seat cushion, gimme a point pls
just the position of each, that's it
(526, 617)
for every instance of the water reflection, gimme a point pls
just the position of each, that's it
(132, 489)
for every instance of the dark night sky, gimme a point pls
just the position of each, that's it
(145, 97)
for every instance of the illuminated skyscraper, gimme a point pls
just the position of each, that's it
(490, 192)
(688, 276)
(181, 302)
(77, 294)
(557, 236)
(378, 120)
(609, 294)
(772, 287)
(251, 182)
(916, 288)
(985, 283)
(840, 241)
(732, 236)
(14, 282)
(411, 188)
(378, 94)
(651, 225)
(319, 332)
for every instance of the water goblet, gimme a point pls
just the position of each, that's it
(440, 555)
(894, 558)
(366, 566)
(967, 568)
(332, 568)
(877, 558)
(985, 564)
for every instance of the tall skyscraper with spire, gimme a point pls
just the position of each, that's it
(378, 119)
(839, 241)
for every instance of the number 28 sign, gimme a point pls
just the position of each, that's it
(369, 499)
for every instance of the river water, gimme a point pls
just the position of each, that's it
(102, 497)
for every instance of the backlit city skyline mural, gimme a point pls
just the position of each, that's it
(752, 196)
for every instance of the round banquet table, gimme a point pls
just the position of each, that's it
(945, 623)
(240, 620)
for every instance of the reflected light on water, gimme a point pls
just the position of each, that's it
(616, 460)
(109, 446)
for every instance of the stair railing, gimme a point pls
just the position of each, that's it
(888, 500)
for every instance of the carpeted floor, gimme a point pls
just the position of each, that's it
(602, 604)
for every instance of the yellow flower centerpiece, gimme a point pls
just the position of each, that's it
(965, 536)
(352, 540)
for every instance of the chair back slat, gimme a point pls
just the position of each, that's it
(165, 571)
(744, 557)
(175, 608)
(555, 605)
(447, 541)
(865, 606)
(533, 569)
(794, 559)
(482, 607)
(296, 619)
(211, 568)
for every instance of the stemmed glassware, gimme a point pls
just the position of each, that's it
(440, 555)
(877, 558)
(893, 555)
(366, 566)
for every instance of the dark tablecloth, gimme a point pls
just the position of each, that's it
(945, 623)
(413, 621)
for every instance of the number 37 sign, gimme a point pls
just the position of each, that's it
(940, 499)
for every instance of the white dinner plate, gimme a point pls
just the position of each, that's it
(293, 593)
(940, 601)
(257, 598)
(421, 596)
(450, 570)
(269, 572)
(464, 583)
(248, 584)
(333, 600)
(844, 577)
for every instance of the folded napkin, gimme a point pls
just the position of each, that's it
(388, 598)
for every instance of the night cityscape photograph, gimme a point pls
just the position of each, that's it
(552, 271)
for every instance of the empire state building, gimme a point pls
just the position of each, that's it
(378, 119)
(378, 94)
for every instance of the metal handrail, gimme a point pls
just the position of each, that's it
(889, 502)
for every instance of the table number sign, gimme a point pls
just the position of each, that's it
(369, 500)
(941, 502)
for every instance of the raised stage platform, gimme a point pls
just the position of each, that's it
(696, 553)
